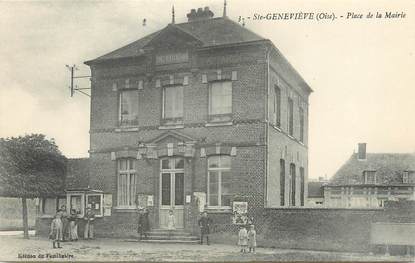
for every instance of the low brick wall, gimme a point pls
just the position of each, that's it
(330, 229)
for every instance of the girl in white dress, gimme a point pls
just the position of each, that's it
(171, 223)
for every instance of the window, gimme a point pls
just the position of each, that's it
(219, 181)
(292, 177)
(290, 117)
(369, 177)
(302, 185)
(95, 202)
(172, 181)
(173, 103)
(277, 106)
(282, 182)
(127, 183)
(128, 114)
(301, 125)
(220, 100)
(408, 177)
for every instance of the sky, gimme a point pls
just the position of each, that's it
(362, 71)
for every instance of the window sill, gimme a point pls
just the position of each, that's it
(215, 124)
(218, 210)
(125, 209)
(171, 127)
(126, 129)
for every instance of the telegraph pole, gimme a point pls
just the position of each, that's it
(75, 88)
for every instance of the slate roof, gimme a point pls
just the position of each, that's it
(211, 32)
(315, 189)
(389, 168)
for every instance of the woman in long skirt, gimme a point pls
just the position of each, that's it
(73, 226)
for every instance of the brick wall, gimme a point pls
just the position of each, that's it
(328, 229)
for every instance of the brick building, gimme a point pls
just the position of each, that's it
(367, 180)
(204, 110)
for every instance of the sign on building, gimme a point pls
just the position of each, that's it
(240, 213)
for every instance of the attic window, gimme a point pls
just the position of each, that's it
(369, 177)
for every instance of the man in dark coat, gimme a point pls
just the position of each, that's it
(143, 223)
(204, 224)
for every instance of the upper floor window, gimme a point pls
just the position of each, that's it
(127, 183)
(277, 106)
(290, 116)
(369, 177)
(220, 99)
(219, 181)
(301, 125)
(408, 177)
(173, 103)
(128, 111)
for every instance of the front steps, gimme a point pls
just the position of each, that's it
(168, 236)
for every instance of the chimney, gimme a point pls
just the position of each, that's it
(361, 154)
(200, 14)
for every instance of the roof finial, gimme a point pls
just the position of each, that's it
(172, 15)
(224, 8)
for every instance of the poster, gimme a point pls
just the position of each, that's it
(240, 213)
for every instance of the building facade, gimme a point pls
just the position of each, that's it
(367, 180)
(203, 112)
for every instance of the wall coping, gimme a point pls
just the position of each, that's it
(326, 208)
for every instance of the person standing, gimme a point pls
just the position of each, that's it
(65, 223)
(252, 239)
(56, 230)
(73, 226)
(204, 224)
(143, 223)
(171, 223)
(89, 224)
(243, 239)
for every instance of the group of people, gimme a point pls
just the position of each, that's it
(64, 227)
(247, 238)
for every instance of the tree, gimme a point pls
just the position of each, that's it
(30, 166)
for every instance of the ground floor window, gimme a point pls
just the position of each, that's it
(127, 183)
(219, 181)
(293, 184)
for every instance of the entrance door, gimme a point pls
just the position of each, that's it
(172, 191)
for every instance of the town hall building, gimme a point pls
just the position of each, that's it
(204, 113)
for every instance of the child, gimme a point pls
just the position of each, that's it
(170, 223)
(56, 230)
(243, 239)
(252, 239)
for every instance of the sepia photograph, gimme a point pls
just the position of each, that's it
(207, 131)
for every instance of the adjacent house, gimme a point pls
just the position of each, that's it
(367, 180)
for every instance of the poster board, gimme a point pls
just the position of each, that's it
(201, 200)
(144, 200)
(240, 213)
(107, 204)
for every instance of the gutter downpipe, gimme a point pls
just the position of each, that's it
(267, 50)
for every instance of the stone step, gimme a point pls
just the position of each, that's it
(167, 233)
(170, 241)
(163, 237)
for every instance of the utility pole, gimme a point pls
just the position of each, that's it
(75, 88)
